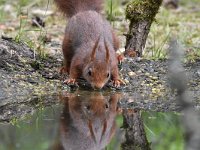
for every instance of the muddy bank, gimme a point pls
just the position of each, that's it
(25, 78)
(29, 81)
(149, 85)
(24, 74)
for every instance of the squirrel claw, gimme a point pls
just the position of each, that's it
(117, 83)
(70, 81)
(120, 58)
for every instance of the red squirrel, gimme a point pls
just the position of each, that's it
(87, 122)
(89, 45)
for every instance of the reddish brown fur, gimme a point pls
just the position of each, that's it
(71, 7)
(89, 44)
(88, 120)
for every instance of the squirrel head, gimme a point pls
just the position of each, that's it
(97, 71)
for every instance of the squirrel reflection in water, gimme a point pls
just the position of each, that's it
(87, 121)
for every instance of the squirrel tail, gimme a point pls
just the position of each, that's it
(71, 7)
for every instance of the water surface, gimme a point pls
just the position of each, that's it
(92, 121)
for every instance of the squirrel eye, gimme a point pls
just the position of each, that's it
(89, 72)
(108, 75)
(107, 106)
(88, 107)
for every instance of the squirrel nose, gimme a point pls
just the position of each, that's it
(98, 86)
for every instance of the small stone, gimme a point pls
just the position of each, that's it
(126, 81)
(138, 59)
(121, 50)
(132, 74)
(130, 100)
(147, 74)
(198, 73)
(155, 90)
(39, 12)
(154, 78)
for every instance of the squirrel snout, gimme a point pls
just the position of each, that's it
(98, 86)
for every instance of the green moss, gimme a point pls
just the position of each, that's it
(35, 64)
(138, 10)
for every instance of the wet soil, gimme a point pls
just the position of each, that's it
(24, 79)
(29, 81)
(149, 84)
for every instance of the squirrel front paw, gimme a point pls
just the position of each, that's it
(120, 58)
(64, 70)
(70, 81)
(118, 82)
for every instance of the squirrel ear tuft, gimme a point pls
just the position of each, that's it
(107, 52)
(93, 54)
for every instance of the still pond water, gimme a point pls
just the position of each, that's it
(92, 121)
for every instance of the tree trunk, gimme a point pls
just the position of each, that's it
(134, 131)
(141, 15)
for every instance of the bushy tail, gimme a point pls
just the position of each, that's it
(71, 7)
